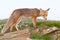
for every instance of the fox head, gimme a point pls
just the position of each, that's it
(44, 13)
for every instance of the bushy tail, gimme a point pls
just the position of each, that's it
(5, 28)
(7, 25)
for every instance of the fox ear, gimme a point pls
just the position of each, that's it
(48, 9)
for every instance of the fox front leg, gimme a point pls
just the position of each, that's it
(34, 21)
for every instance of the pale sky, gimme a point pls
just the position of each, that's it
(7, 7)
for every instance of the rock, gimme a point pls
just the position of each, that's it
(25, 34)
(17, 34)
(48, 30)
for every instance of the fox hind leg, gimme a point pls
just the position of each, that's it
(11, 26)
(18, 21)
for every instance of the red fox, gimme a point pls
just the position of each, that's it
(18, 14)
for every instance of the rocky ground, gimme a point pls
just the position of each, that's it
(25, 34)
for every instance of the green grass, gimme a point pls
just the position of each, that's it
(40, 37)
(49, 23)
